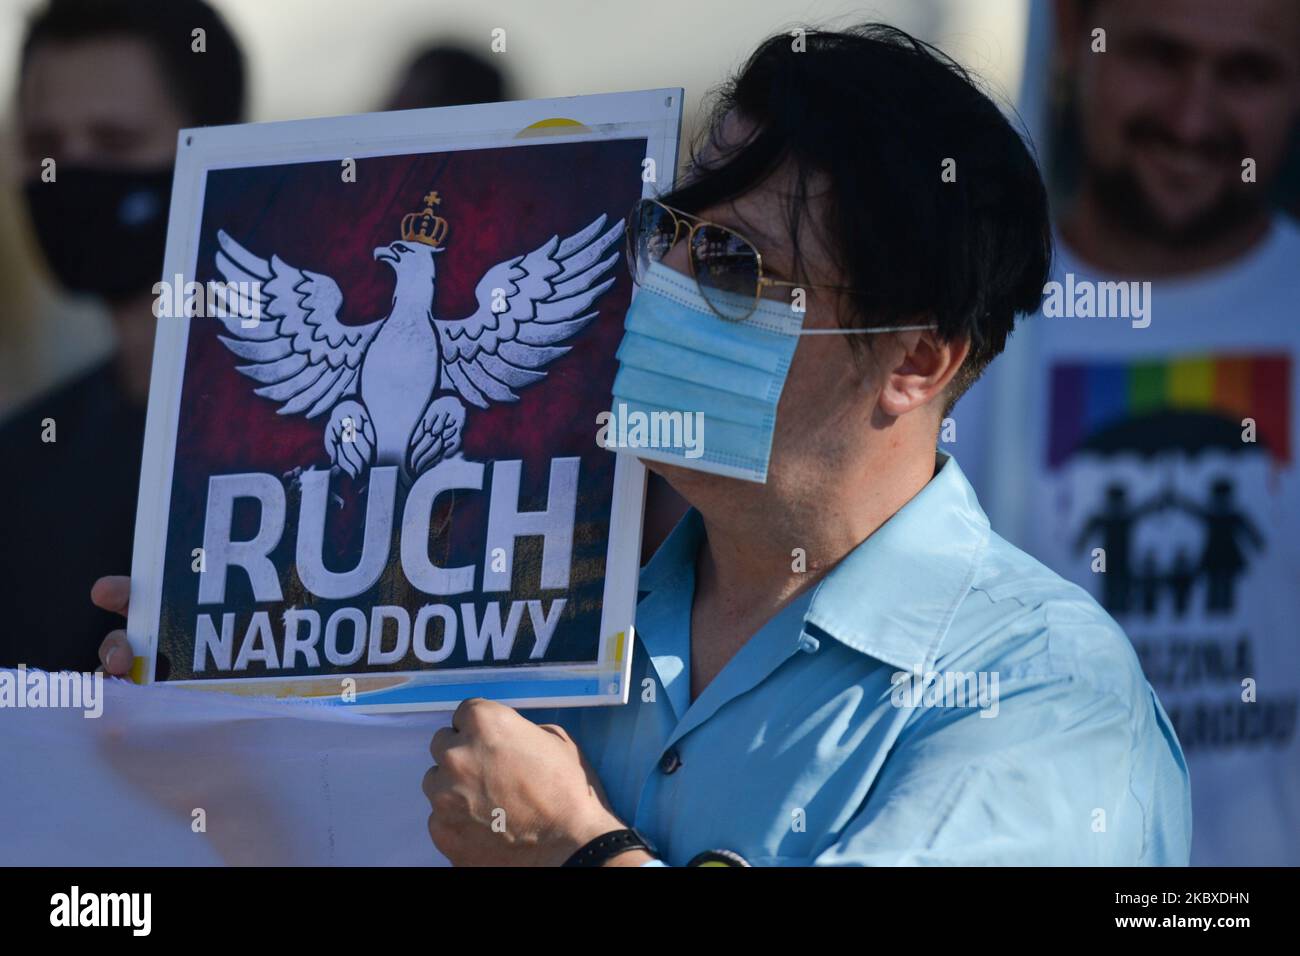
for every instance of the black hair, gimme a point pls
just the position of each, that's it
(208, 86)
(877, 112)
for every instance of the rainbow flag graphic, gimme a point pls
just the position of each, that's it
(1093, 398)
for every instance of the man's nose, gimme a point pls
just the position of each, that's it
(1195, 112)
(678, 257)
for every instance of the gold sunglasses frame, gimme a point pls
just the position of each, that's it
(681, 218)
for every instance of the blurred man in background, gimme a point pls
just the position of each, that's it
(104, 87)
(447, 75)
(1140, 435)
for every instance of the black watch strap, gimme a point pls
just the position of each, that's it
(609, 845)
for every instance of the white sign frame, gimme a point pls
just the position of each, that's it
(652, 114)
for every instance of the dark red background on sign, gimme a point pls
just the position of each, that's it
(500, 203)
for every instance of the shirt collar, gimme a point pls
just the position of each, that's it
(675, 557)
(892, 597)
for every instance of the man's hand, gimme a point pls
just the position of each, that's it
(113, 593)
(508, 792)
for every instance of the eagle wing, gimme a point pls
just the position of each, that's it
(540, 299)
(299, 351)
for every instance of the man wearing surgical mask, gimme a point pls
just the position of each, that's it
(836, 661)
(104, 87)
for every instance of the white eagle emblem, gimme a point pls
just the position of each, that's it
(394, 387)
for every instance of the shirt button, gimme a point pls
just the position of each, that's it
(670, 761)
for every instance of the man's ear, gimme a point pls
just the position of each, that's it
(924, 364)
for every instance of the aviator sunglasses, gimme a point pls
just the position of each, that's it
(726, 266)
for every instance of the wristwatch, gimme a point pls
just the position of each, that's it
(718, 858)
(609, 845)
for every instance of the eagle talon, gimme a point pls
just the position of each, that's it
(350, 438)
(437, 435)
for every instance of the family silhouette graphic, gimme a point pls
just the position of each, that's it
(1130, 588)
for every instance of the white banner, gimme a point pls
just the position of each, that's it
(169, 776)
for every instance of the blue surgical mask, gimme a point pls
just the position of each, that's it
(699, 391)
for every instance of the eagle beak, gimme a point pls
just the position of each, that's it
(385, 254)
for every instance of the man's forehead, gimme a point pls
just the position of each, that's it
(1261, 27)
(765, 209)
(762, 214)
(108, 78)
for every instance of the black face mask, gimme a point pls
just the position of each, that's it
(103, 231)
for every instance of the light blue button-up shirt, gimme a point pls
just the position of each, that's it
(939, 697)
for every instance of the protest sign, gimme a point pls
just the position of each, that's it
(371, 474)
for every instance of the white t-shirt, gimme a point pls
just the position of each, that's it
(1167, 455)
